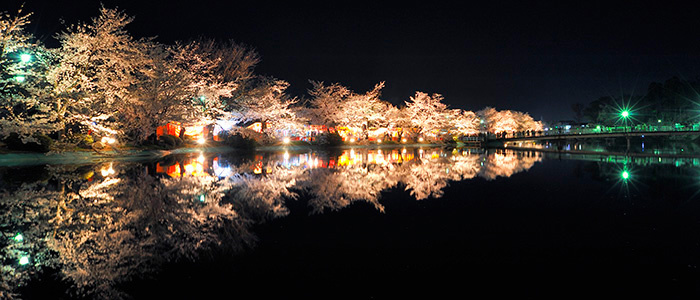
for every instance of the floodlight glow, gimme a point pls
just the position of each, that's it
(107, 171)
(352, 140)
(420, 139)
(403, 140)
(108, 140)
(20, 78)
(202, 198)
(201, 141)
(625, 174)
(379, 141)
(286, 140)
(18, 237)
(24, 260)
(25, 58)
(625, 114)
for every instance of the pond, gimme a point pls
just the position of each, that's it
(362, 223)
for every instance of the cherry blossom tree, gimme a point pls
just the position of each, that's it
(263, 99)
(462, 122)
(507, 121)
(326, 102)
(216, 72)
(427, 113)
(361, 111)
(25, 103)
(98, 62)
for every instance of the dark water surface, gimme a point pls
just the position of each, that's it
(358, 223)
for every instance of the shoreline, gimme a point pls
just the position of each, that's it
(15, 159)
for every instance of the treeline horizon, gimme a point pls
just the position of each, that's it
(673, 101)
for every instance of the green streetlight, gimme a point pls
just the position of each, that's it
(625, 114)
(24, 260)
(625, 175)
(25, 57)
(18, 237)
(20, 78)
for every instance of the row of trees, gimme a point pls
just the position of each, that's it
(104, 80)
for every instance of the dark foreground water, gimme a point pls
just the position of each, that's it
(356, 223)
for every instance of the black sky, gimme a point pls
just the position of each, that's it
(533, 57)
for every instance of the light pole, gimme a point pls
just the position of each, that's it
(625, 114)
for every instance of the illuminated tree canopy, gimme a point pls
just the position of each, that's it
(103, 81)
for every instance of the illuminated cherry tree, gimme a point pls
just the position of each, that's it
(97, 64)
(263, 99)
(26, 108)
(507, 121)
(427, 113)
(326, 103)
(464, 122)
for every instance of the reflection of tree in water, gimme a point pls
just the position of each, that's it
(104, 232)
(505, 163)
(104, 225)
(337, 188)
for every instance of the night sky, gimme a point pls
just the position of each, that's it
(536, 58)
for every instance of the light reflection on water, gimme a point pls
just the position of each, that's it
(102, 225)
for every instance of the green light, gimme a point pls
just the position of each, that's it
(18, 237)
(24, 260)
(201, 198)
(659, 120)
(625, 114)
(25, 58)
(20, 78)
(202, 98)
(625, 175)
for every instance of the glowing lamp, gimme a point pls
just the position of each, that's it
(18, 237)
(108, 140)
(625, 175)
(20, 78)
(403, 140)
(286, 140)
(25, 58)
(202, 198)
(24, 260)
(379, 141)
(625, 114)
(420, 139)
(352, 140)
(201, 141)
(107, 171)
